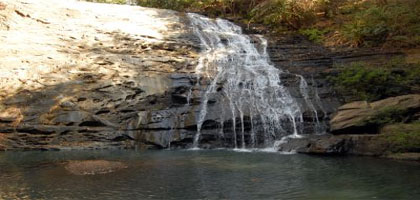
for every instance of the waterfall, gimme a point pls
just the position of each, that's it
(251, 86)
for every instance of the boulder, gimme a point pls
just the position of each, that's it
(363, 117)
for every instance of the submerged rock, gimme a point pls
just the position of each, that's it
(93, 167)
(412, 156)
(371, 145)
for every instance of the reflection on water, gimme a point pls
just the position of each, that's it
(207, 175)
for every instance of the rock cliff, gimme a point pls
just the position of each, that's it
(87, 75)
(78, 75)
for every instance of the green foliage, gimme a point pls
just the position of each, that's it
(216, 8)
(367, 26)
(174, 4)
(289, 13)
(314, 34)
(388, 115)
(361, 81)
(276, 12)
(353, 22)
(402, 137)
(373, 25)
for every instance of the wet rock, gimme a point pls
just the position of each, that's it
(361, 117)
(371, 145)
(411, 156)
(93, 167)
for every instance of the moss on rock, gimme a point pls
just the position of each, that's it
(402, 137)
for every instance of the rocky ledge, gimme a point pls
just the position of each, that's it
(386, 128)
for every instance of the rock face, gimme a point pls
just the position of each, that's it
(78, 75)
(86, 75)
(363, 117)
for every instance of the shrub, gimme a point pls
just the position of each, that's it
(289, 13)
(402, 137)
(367, 26)
(389, 115)
(314, 34)
(355, 22)
(361, 81)
(166, 4)
(372, 25)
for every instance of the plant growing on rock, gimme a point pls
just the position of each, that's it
(402, 137)
(389, 115)
(314, 34)
(362, 81)
(375, 24)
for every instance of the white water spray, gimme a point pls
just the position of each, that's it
(250, 83)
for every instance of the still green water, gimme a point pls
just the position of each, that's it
(216, 174)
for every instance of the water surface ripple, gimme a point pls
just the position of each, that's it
(217, 174)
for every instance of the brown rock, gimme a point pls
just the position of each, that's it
(355, 117)
(2, 141)
(93, 167)
(11, 115)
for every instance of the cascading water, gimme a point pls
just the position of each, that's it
(250, 84)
